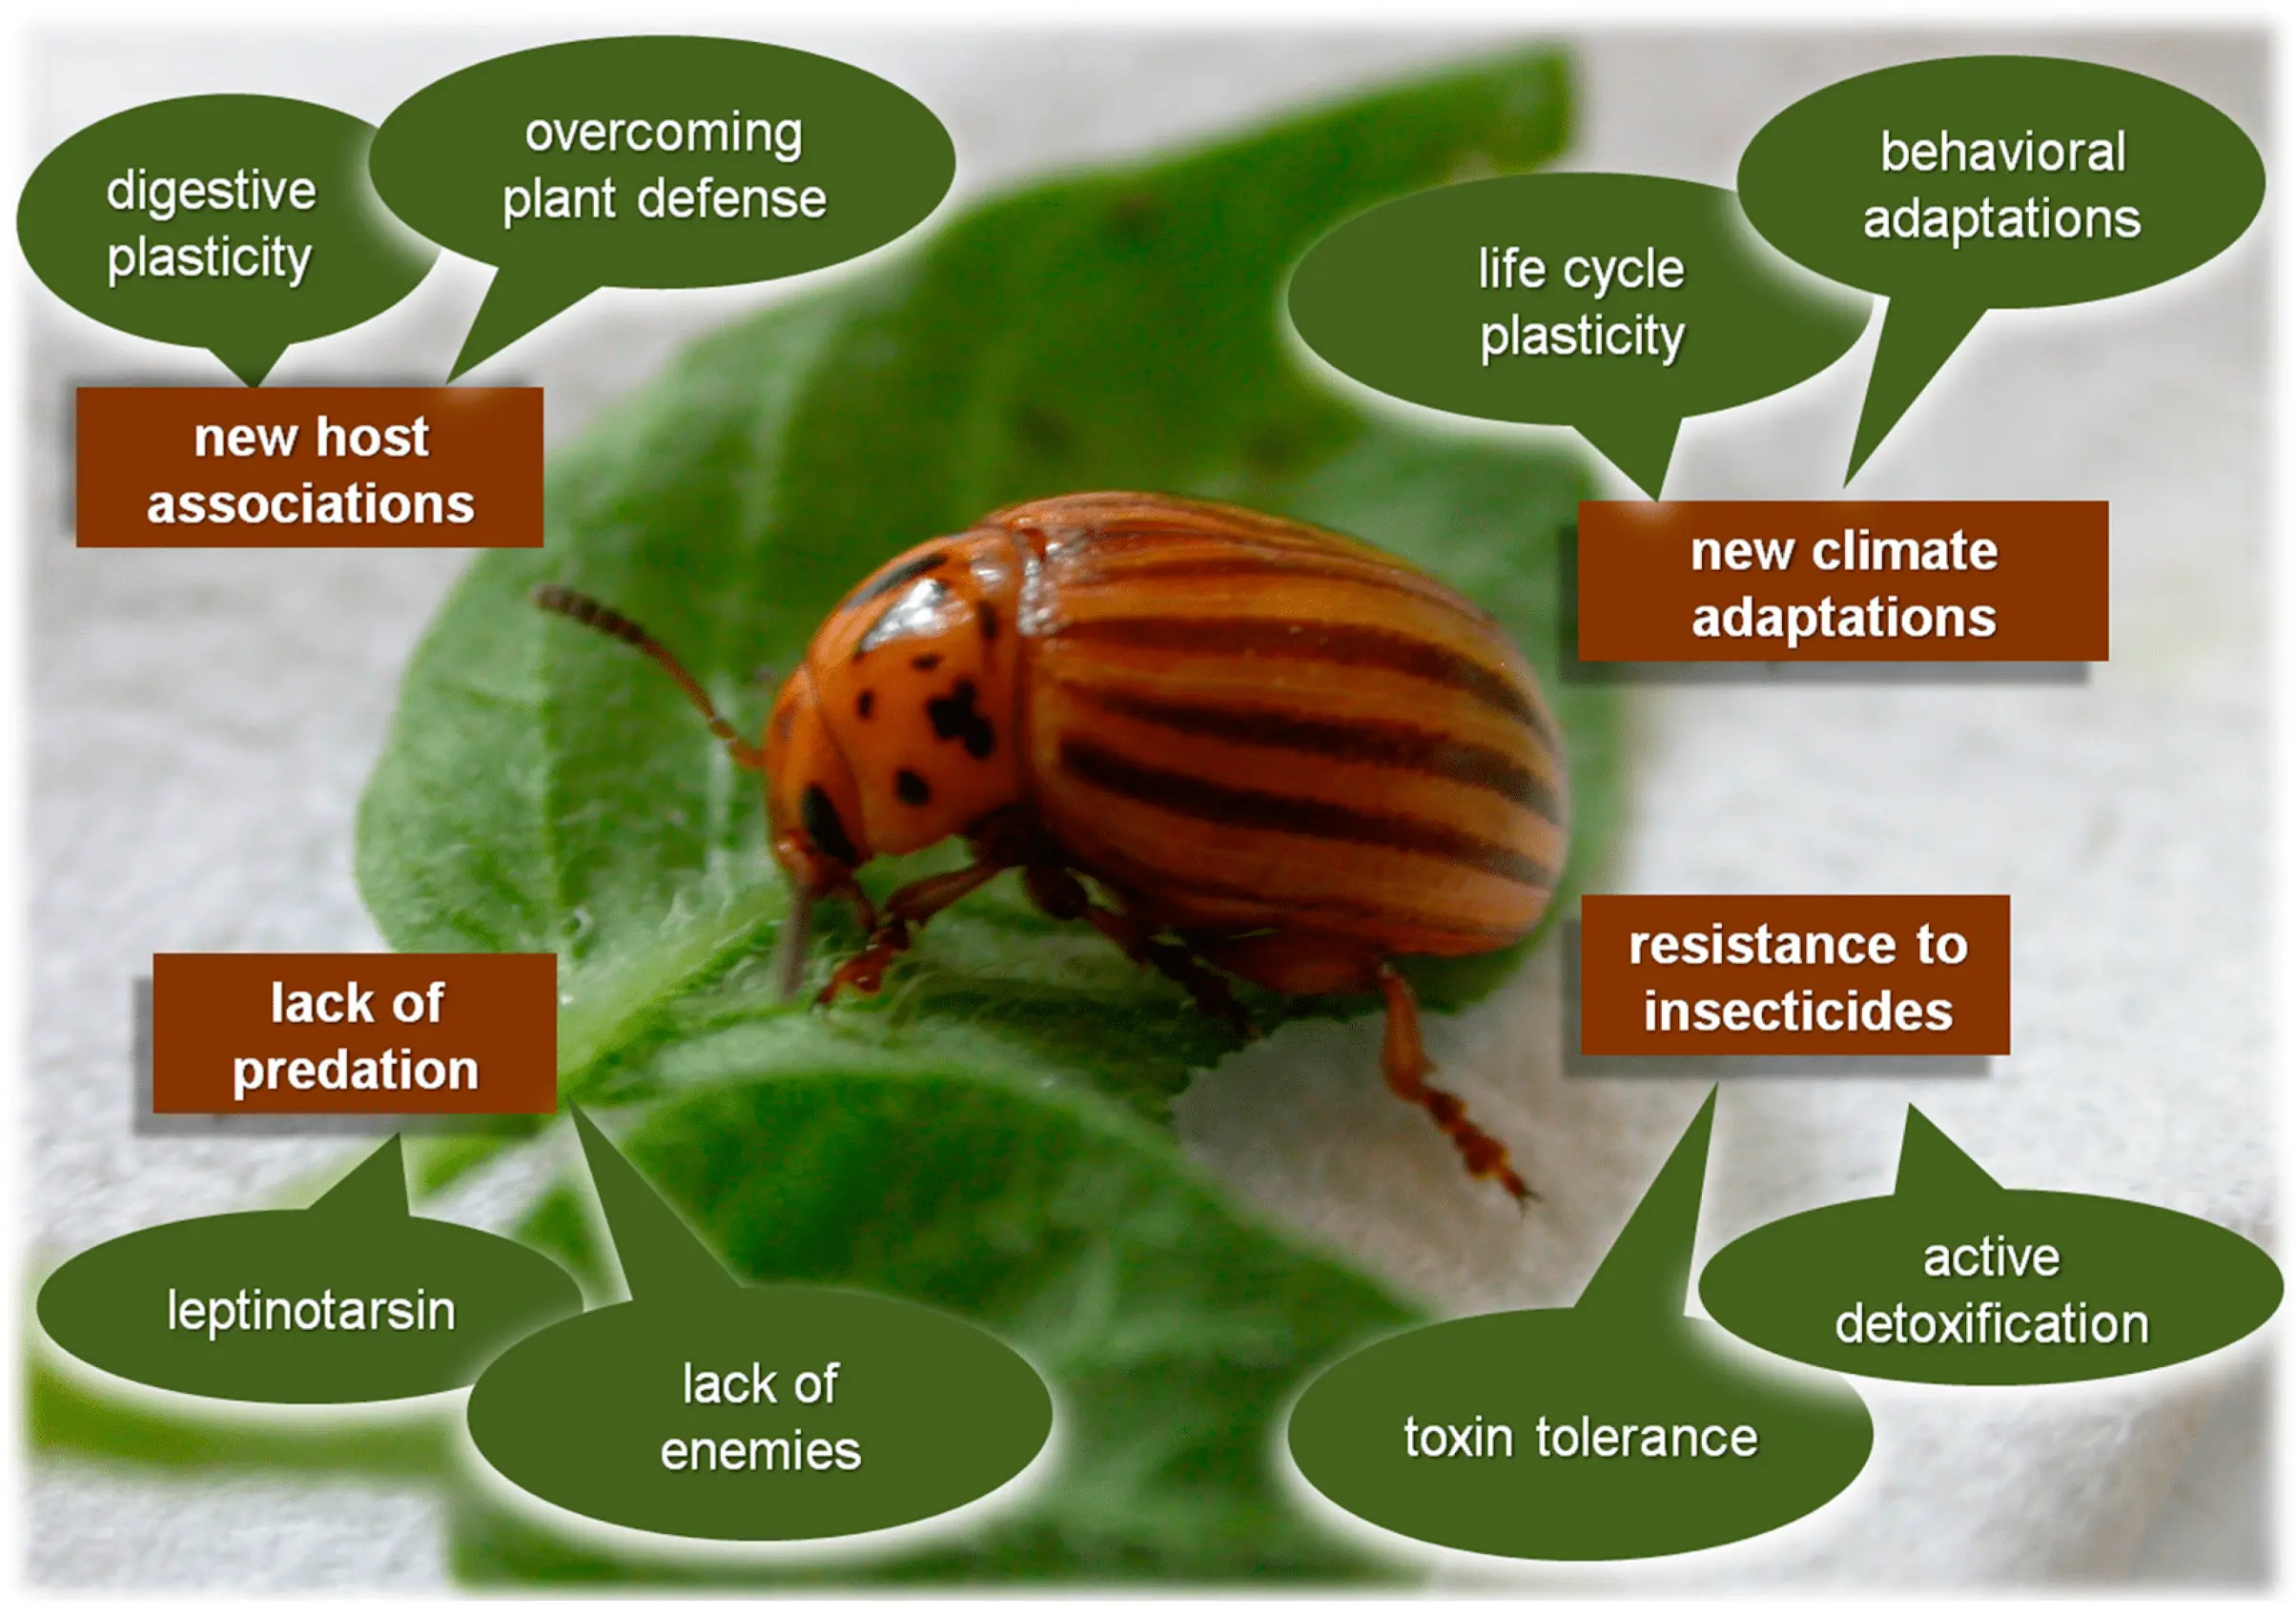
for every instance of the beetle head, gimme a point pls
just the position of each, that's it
(812, 810)
(812, 803)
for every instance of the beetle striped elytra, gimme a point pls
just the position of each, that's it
(1286, 755)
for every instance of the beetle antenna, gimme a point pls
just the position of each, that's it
(789, 963)
(605, 620)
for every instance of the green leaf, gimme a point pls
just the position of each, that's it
(988, 1135)
(66, 1415)
(1170, 1325)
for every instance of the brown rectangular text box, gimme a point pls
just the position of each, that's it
(1640, 994)
(1790, 580)
(316, 467)
(372, 1044)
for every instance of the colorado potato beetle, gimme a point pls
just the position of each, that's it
(1280, 754)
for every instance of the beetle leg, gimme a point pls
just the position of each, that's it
(864, 910)
(1405, 1060)
(910, 905)
(1301, 961)
(1061, 895)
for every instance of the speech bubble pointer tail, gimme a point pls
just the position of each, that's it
(1641, 449)
(1931, 1164)
(661, 1259)
(1917, 339)
(515, 304)
(375, 1188)
(1647, 1268)
(251, 362)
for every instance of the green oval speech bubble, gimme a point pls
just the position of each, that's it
(1613, 303)
(351, 1300)
(1954, 1280)
(1614, 1429)
(705, 1408)
(1971, 183)
(655, 161)
(236, 223)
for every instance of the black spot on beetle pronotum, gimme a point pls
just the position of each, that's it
(927, 662)
(911, 787)
(867, 705)
(955, 718)
(985, 614)
(824, 827)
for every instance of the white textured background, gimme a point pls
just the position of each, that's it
(203, 722)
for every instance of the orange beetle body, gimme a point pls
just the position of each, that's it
(1285, 754)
